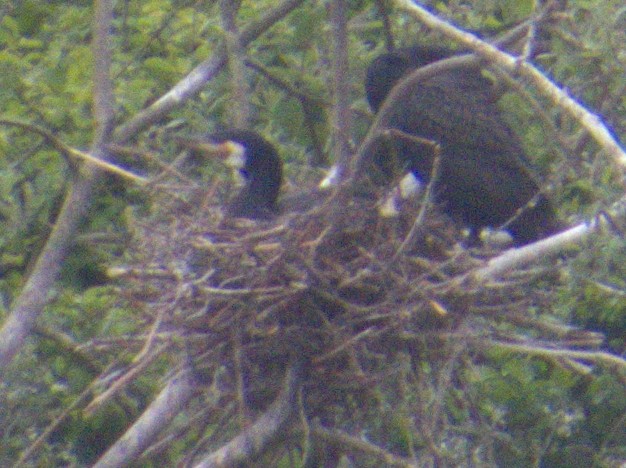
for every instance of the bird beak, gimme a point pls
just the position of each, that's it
(231, 152)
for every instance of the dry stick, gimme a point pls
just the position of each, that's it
(72, 153)
(399, 93)
(559, 97)
(512, 259)
(597, 357)
(428, 196)
(152, 158)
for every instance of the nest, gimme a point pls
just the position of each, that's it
(348, 291)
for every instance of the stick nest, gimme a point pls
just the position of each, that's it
(339, 285)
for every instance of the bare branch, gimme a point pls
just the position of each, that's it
(248, 445)
(597, 357)
(515, 258)
(236, 57)
(195, 80)
(36, 292)
(547, 88)
(341, 105)
(157, 416)
(68, 152)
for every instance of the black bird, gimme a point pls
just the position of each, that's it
(484, 177)
(387, 69)
(259, 165)
(261, 170)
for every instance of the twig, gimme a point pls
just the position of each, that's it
(598, 357)
(356, 445)
(72, 153)
(123, 382)
(428, 195)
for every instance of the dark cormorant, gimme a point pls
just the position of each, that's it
(259, 165)
(484, 178)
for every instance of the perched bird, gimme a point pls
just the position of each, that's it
(484, 178)
(258, 164)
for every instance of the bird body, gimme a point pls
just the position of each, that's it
(484, 178)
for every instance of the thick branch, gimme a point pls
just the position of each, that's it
(248, 445)
(513, 259)
(154, 419)
(36, 292)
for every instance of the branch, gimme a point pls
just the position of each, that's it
(240, 115)
(154, 419)
(248, 445)
(516, 67)
(513, 259)
(400, 93)
(341, 105)
(70, 153)
(597, 357)
(115, 387)
(348, 443)
(195, 80)
(36, 292)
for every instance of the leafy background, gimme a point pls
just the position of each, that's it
(550, 416)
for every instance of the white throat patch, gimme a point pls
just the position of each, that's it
(236, 155)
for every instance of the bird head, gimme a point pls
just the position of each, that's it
(387, 69)
(255, 161)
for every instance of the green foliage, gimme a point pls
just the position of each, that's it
(599, 302)
(541, 412)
